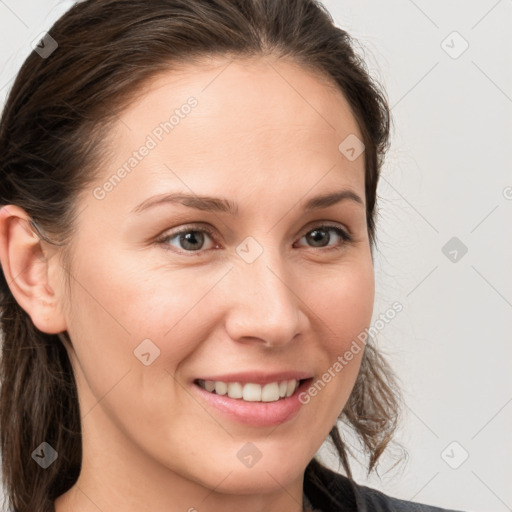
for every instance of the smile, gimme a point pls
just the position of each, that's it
(251, 392)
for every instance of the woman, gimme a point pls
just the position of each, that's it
(188, 217)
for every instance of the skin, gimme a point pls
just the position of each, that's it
(265, 134)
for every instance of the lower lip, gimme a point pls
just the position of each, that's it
(260, 414)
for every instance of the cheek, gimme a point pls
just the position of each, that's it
(127, 316)
(343, 300)
(344, 306)
(132, 302)
(117, 316)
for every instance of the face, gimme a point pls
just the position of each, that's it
(171, 293)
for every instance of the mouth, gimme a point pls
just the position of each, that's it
(251, 391)
(271, 400)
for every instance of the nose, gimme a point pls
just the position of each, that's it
(263, 306)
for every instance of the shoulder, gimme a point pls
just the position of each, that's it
(329, 491)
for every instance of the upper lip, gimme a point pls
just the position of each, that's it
(258, 377)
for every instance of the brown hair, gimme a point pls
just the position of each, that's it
(52, 138)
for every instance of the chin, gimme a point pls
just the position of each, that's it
(263, 477)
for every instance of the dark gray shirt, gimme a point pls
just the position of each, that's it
(332, 492)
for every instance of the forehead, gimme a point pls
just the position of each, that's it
(256, 123)
(256, 93)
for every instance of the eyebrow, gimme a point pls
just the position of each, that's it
(222, 205)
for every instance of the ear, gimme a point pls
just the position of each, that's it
(27, 265)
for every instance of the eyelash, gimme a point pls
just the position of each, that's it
(347, 238)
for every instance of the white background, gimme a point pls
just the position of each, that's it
(446, 176)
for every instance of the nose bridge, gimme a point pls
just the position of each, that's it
(264, 306)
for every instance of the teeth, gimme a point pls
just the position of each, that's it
(291, 388)
(235, 390)
(270, 392)
(252, 392)
(221, 388)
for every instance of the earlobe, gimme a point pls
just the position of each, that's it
(25, 264)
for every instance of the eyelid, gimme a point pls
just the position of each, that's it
(326, 224)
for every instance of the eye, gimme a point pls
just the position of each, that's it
(320, 237)
(188, 239)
